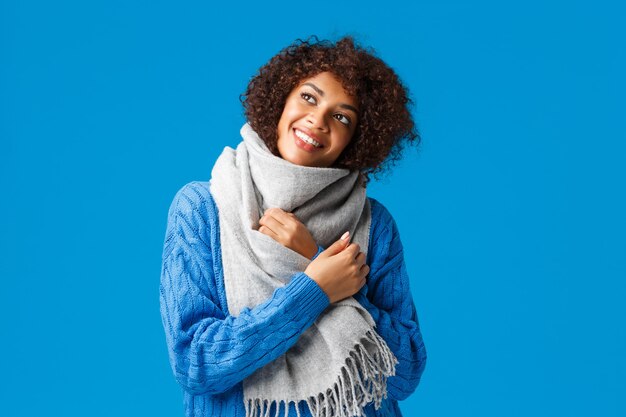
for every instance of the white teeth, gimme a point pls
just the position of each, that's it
(307, 139)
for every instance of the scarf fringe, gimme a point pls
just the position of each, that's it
(362, 379)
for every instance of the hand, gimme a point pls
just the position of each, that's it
(286, 229)
(340, 270)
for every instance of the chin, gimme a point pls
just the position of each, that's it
(298, 161)
(293, 155)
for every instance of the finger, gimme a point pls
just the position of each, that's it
(273, 210)
(271, 223)
(360, 259)
(365, 269)
(361, 282)
(267, 231)
(337, 247)
(272, 213)
(353, 249)
(280, 215)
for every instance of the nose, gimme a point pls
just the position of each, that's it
(316, 119)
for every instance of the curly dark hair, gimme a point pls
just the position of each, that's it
(384, 124)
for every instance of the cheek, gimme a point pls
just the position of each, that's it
(282, 130)
(343, 141)
(286, 118)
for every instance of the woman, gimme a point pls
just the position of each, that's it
(283, 288)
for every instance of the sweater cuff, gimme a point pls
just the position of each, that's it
(307, 296)
(319, 250)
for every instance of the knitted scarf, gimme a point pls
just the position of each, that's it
(340, 363)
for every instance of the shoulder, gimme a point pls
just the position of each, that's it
(191, 196)
(385, 250)
(383, 225)
(193, 201)
(193, 214)
(385, 246)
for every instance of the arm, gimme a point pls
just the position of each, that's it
(388, 298)
(209, 350)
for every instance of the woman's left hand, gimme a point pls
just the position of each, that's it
(286, 229)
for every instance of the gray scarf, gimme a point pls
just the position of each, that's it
(339, 364)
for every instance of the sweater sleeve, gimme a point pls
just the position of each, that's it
(388, 298)
(209, 350)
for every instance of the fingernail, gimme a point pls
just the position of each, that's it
(345, 235)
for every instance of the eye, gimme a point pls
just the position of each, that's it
(343, 119)
(308, 97)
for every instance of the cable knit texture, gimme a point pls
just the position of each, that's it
(211, 352)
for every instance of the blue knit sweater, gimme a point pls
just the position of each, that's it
(211, 352)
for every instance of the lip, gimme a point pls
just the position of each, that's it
(307, 147)
(309, 133)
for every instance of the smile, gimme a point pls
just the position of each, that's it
(306, 138)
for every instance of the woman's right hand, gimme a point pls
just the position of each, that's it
(340, 270)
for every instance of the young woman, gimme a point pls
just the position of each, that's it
(284, 288)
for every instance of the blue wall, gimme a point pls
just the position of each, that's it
(511, 210)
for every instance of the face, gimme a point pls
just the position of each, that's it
(317, 123)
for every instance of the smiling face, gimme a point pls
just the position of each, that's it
(317, 123)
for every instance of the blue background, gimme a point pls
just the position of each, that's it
(511, 210)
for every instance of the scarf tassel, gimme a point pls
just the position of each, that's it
(362, 379)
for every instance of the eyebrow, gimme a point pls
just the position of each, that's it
(321, 93)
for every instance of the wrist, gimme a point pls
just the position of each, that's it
(318, 250)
